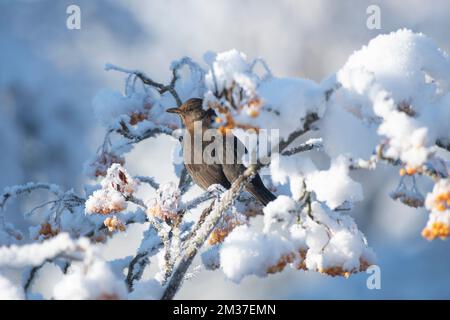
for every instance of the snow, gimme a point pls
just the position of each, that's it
(95, 281)
(166, 202)
(229, 67)
(293, 99)
(246, 252)
(282, 208)
(292, 169)
(109, 105)
(345, 133)
(36, 253)
(116, 187)
(334, 186)
(10, 291)
(402, 78)
(266, 102)
(323, 241)
(105, 201)
(438, 203)
(333, 240)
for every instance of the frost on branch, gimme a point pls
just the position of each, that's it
(117, 187)
(230, 220)
(165, 205)
(90, 280)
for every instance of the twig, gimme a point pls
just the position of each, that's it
(308, 121)
(185, 181)
(29, 187)
(138, 262)
(265, 66)
(301, 148)
(29, 279)
(142, 258)
(161, 88)
(191, 204)
(149, 180)
(440, 143)
(149, 133)
(200, 222)
(137, 201)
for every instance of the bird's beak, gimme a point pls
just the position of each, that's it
(173, 110)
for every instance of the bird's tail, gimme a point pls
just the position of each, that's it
(257, 188)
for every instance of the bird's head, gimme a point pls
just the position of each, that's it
(190, 111)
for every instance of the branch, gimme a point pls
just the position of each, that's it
(191, 204)
(309, 120)
(27, 188)
(301, 148)
(149, 133)
(440, 143)
(138, 262)
(149, 180)
(136, 201)
(60, 246)
(185, 181)
(161, 88)
(29, 279)
(150, 245)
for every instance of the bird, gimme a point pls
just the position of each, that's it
(204, 171)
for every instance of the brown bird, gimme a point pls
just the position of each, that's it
(203, 166)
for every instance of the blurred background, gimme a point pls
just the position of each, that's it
(49, 75)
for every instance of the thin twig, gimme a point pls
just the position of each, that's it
(140, 261)
(440, 143)
(29, 279)
(149, 180)
(301, 148)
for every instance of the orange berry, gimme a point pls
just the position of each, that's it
(440, 207)
(402, 172)
(410, 171)
(426, 233)
(253, 113)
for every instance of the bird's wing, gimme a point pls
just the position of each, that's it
(206, 175)
(233, 169)
(256, 186)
